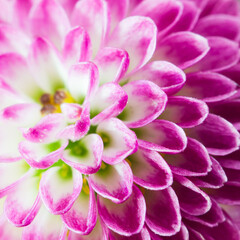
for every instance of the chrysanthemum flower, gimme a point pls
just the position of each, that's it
(119, 119)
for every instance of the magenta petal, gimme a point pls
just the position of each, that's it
(193, 161)
(192, 200)
(164, 74)
(82, 217)
(185, 112)
(233, 73)
(194, 46)
(126, 218)
(113, 182)
(162, 136)
(150, 169)
(140, 34)
(199, 83)
(151, 98)
(223, 54)
(59, 193)
(220, 140)
(165, 202)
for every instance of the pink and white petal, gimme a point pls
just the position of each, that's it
(165, 202)
(150, 170)
(113, 182)
(83, 81)
(112, 64)
(151, 98)
(192, 200)
(199, 83)
(42, 155)
(85, 155)
(170, 13)
(14, 69)
(59, 188)
(220, 140)
(119, 141)
(11, 173)
(45, 227)
(92, 15)
(193, 161)
(221, 25)
(46, 65)
(22, 204)
(126, 218)
(99, 232)
(77, 47)
(6, 14)
(164, 74)
(109, 101)
(222, 55)
(49, 20)
(194, 46)
(82, 217)
(140, 34)
(162, 136)
(185, 112)
(46, 130)
(71, 111)
(68, 5)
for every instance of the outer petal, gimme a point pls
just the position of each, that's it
(113, 182)
(233, 73)
(165, 202)
(119, 142)
(140, 35)
(58, 192)
(151, 98)
(220, 140)
(184, 111)
(194, 46)
(150, 170)
(166, 75)
(49, 20)
(162, 136)
(126, 218)
(82, 217)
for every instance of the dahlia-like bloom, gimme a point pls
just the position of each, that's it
(119, 119)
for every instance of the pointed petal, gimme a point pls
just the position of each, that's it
(150, 169)
(85, 155)
(140, 34)
(151, 98)
(165, 202)
(126, 218)
(113, 182)
(162, 136)
(119, 141)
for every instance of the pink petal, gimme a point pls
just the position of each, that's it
(233, 73)
(113, 182)
(126, 218)
(151, 98)
(119, 142)
(140, 34)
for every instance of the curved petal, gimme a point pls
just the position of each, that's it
(150, 169)
(140, 34)
(166, 75)
(126, 218)
(185, 112)
(220, 140)
(233, 73)
(165, 202)
(119, 141)
(109, 100)
(194, 46)
(59, 188)
(82, 217)
(85, 155)
(162, 136)
(151, 98)
(113, 182)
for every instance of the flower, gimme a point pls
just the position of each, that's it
(119, 119)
